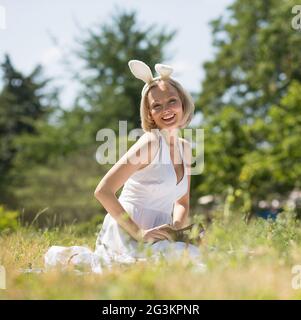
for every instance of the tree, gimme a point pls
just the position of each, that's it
(257, 60)
(109, 91)
(23, 101)
(275, 169)
(54, 151)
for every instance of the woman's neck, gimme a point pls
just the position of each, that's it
(170, 135)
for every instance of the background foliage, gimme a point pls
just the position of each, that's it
(249, 101)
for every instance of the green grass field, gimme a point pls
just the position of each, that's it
(244, 261)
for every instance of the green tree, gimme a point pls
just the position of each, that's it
(23, 101)
(55, 171)
(275, 169)
(256, 61)
(109, 91)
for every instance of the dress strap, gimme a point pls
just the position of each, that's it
(160, 148)
(180, 144)
(167, 156)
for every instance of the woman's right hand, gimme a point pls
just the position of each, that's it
(153, 235)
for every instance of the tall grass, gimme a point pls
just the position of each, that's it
(245, 261)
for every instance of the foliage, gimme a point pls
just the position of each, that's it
(109, 92)
(63, 189)
(47, 157)
(251, 102)
(23, 101)
(235, 253)
(8, 220)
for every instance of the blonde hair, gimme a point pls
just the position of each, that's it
(187, 102)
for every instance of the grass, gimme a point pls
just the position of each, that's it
(244, 261)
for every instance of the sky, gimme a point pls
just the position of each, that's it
(43, 32)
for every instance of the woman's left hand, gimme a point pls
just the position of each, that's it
(176, 225)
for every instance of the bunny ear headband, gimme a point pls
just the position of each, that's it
(143, 72)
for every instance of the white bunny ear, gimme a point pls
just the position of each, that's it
(141, 70)
(164, 70)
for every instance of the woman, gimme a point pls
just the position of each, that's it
(156, 177)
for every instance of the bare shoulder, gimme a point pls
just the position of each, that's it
(147, 140)
(147, 137)
(145, 148)
(137, 157)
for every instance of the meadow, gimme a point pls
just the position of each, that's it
(251, 260)
(244, 77)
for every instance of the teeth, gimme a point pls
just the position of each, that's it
(166, 118)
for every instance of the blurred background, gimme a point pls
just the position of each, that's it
(64, 76)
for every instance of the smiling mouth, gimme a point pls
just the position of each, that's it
(169, 118)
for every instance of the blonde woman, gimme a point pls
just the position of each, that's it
(155, 176)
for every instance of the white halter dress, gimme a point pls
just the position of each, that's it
(148, 196)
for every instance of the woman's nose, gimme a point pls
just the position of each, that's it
(165, 107)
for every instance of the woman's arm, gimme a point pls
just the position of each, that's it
(139, 155)
(181, 207)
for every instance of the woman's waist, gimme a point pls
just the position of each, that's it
(147, 207)
(142, 203)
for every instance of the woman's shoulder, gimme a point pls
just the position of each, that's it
(148, 138)
(146, 146)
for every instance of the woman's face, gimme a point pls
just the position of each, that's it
(165, 105)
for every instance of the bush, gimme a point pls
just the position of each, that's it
(62, 189)
(8, 220)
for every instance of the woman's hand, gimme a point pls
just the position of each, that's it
(177, 225)
(154, 234)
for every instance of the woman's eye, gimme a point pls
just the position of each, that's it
(156, 107)
(173, 100)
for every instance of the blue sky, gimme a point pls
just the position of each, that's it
(40, 31)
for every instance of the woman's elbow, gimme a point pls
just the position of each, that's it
(97, 193)
(101, 191)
